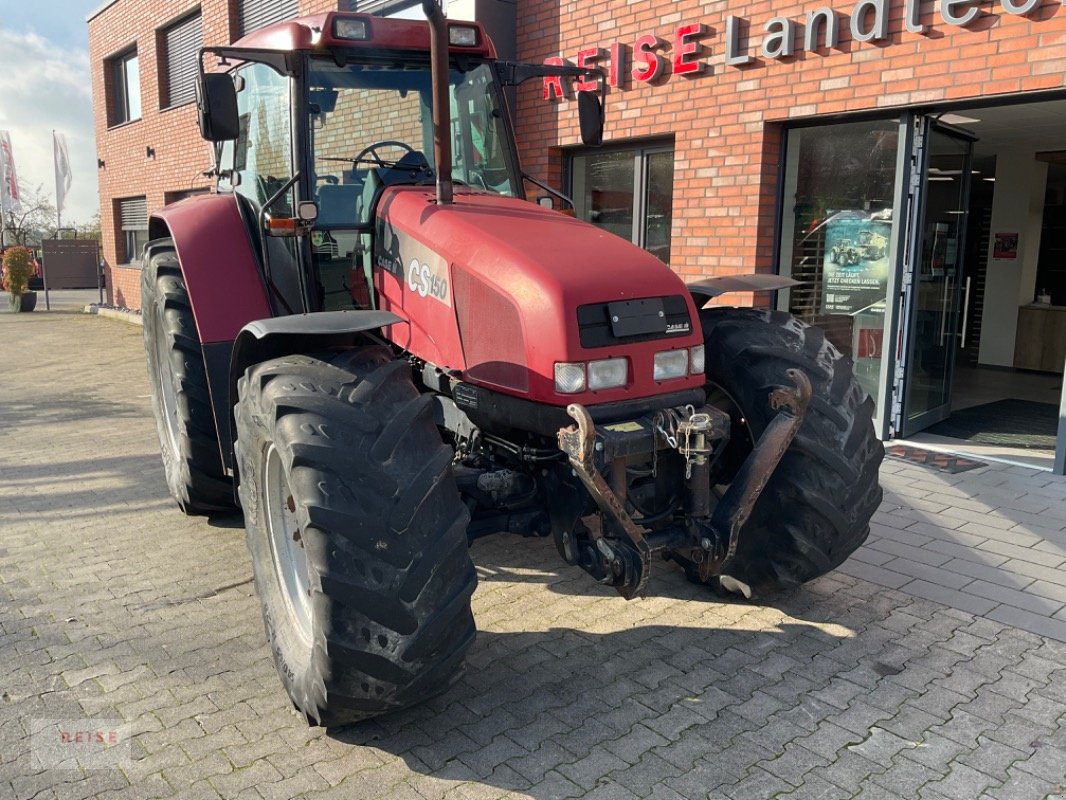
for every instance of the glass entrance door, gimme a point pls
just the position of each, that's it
(933, 274)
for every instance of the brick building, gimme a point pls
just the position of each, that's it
(905, 159)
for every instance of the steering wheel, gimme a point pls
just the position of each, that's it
(371, 150)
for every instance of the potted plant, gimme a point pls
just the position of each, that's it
(18, 268)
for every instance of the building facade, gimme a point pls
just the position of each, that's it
(904, 160)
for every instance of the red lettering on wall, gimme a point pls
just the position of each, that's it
(588, 58)
(686, 46)
(618, 65)
(650, 64)
(553, 84)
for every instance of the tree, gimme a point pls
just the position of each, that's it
(34, 220)
(87, 230)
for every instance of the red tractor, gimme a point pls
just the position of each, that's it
(374, 344)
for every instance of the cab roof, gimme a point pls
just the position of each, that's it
(319, 33)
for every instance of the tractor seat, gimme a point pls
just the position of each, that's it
(338, 204)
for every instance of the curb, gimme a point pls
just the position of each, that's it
(121, 314)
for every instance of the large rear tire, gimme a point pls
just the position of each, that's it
(177, 378)
(356, 531)
(815, 510)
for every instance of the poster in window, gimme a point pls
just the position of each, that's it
(855, 266)
(1005, 247)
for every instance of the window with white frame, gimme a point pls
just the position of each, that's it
(125, 105)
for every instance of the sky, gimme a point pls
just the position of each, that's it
(45, 86)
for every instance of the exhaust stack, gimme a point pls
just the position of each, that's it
(442, 140)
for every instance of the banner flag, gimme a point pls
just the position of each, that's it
(9, 182)
(63, 176)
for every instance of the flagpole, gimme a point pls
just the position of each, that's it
(59, 211)
(3, 182)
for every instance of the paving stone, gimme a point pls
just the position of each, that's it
(906, 777)
(935, 574)
(950, 597)
(1022, 785)
(878, 575)
(843, 688)
(1013, 597)
(962, 783)
(1028, 621)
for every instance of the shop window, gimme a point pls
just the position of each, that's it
(628, 192)
(125, 77)
(838, 235)
(181, 43)
(255, 14)
(133, 222)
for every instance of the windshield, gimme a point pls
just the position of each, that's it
(372, 125)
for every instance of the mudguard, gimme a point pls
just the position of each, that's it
(264, 339)
(703, 290)
(219, 264)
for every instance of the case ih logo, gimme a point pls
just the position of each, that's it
(423, 279)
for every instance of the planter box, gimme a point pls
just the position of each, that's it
(24, 302)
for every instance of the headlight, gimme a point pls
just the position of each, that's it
(462, 36)
(607, 374)
(569, 378)
(670, 364)
(349, 29)
(699, 357)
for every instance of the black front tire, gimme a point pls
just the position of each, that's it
(177, 377)
(374, 506)
(815, 510)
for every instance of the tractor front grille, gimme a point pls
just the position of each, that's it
(623, 322)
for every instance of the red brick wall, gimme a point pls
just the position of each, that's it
(727, 122)
(180, 154)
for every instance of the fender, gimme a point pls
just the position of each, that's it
(218, 262)
(703, 290)
(264, 339)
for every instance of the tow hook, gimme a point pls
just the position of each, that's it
(578, 443)
(722, 531)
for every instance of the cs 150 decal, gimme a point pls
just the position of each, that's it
(424, 280)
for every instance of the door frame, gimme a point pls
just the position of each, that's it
(921, 126)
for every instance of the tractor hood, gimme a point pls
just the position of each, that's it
(524, 287)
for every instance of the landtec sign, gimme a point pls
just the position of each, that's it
(690, 44)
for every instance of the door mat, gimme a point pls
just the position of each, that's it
(1011, 423)
(945, 462)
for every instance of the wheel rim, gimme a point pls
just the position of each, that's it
(168, 394)
(286, 543)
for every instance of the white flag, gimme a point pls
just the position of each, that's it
(9, 182)
(63, 176)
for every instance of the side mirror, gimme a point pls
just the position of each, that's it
(590, 115)
(325, 99)
(216, 107)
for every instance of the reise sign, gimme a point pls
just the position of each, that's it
(689, 45)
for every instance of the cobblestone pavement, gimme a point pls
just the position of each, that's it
(113, 605)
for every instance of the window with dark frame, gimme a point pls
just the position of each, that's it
(255, 14)
(125, 88)
(627, 191)
(132, 215)
(181, 43)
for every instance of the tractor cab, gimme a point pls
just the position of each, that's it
(322, 114)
